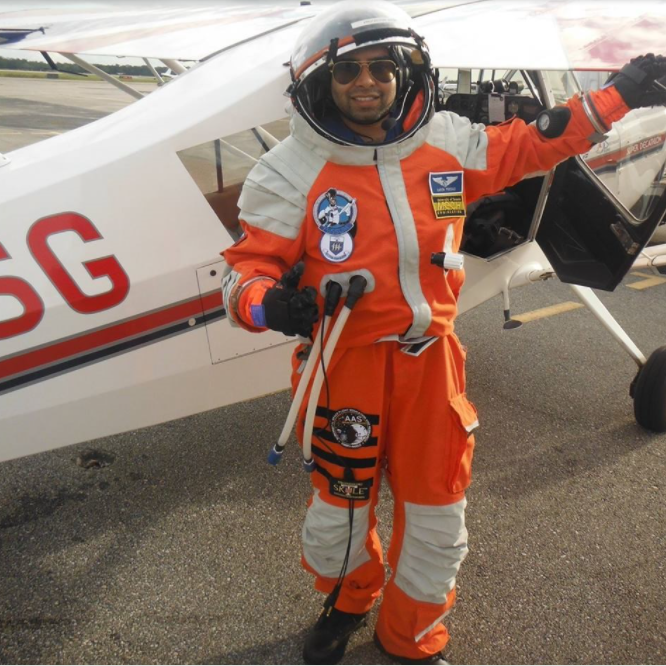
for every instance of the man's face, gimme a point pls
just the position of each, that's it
(364, 100)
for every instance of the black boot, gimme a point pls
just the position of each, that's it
(432, 659)
(327, 640)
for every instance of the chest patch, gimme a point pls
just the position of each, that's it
(446, 192)
(336, 248)
(335, 213)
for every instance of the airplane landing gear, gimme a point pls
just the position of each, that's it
(649, 386)
(649, 392)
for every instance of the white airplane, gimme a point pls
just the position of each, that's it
(111, 316)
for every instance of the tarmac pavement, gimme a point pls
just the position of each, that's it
(32, 110)
(183, 545)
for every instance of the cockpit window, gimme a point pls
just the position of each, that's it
(631, 162)
(563, 85)
(219, 168)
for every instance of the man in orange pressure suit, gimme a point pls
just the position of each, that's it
(372, 182)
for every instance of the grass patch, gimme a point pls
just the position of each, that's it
(60, 76)
(19, 74)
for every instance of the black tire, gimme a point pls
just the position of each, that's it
(650, 392)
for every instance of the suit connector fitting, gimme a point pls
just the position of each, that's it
(449, 261)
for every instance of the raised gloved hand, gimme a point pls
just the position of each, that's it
(288, 309)
(642, 82)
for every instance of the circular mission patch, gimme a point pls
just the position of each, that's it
(351, 428)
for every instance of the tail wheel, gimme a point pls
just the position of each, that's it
(649, 392)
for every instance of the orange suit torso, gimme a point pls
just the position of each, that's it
(383, 211)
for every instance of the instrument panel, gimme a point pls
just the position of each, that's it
(493, 108)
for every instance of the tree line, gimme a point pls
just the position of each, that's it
(71, 68)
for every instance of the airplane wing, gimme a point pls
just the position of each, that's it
(513, 34)
(188, 32)
(545, 34)
(176, 33)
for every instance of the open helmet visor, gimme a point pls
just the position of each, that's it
(343, 28)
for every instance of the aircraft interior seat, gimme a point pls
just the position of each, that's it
(225, 206)
(499, 222)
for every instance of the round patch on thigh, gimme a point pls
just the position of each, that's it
(351, 428)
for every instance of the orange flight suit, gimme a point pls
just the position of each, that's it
(397, 397)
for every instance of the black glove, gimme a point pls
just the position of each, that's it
(642, 82)
(289, 310)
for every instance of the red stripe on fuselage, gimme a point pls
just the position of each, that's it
(86, 342)
(635, 149)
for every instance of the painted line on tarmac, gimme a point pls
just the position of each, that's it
(550, 311)
(649, 280)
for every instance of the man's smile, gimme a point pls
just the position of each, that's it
(365, 99)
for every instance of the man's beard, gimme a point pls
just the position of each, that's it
(367, 121)
(380, 114)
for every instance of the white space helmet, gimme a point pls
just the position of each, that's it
(345, 27)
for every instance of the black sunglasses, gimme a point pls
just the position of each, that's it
(346, 71)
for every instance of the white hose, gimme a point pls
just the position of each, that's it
(319, 380)
(302, 386)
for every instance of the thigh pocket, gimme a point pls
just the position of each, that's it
(464, 421)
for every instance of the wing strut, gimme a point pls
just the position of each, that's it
(54, 67)
(156, 74)
(237, 151)
(174, 65)
(598, 309)
(218, 166)
(267, 140)
(102, 74)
